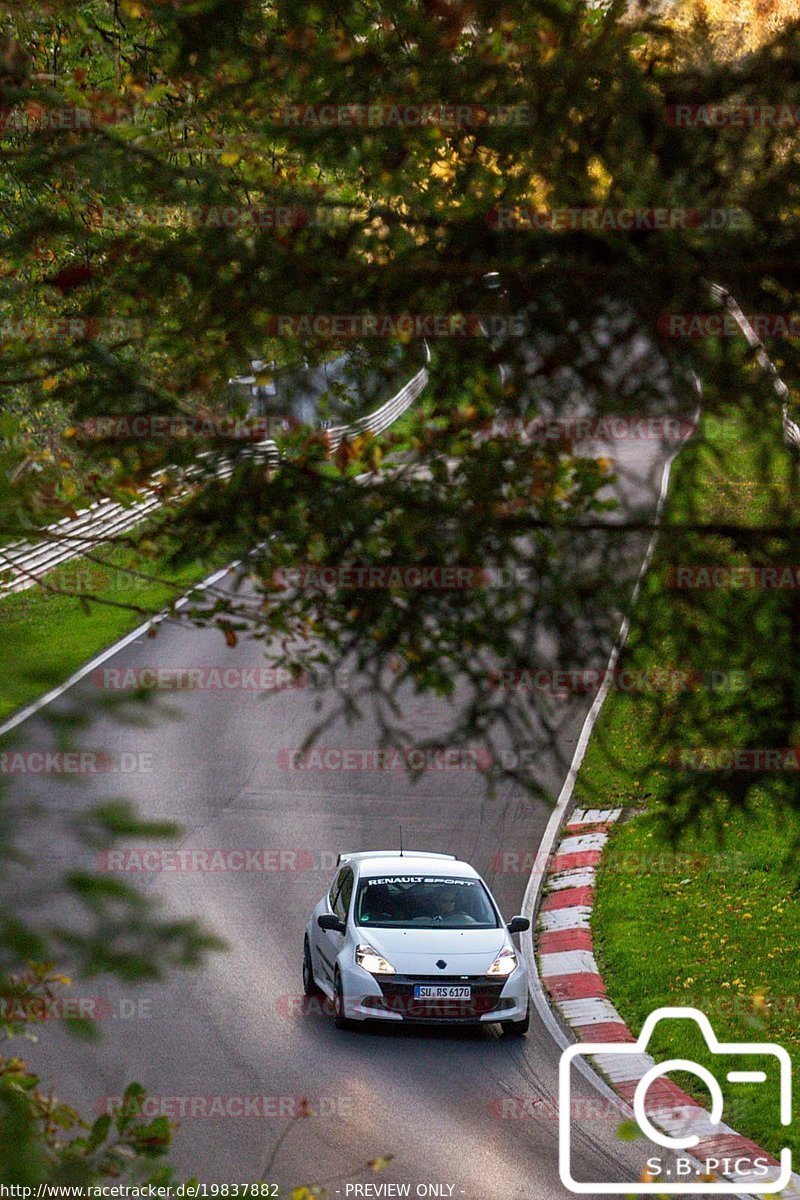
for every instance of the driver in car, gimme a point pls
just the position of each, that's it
(445, 906)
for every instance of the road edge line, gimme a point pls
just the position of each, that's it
(533, 890)
(30, 710)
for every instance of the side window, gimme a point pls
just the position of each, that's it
(337, 883)
(341, 904)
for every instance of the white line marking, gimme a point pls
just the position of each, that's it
(558, 819)
(31, 709)
(558, 816)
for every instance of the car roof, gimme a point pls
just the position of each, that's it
(411, 862)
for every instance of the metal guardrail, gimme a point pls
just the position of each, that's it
(791, 430)
(383, 417)
(22, 564)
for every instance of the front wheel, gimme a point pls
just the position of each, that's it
(339, 1019)
(517, 1028)
(309, 983)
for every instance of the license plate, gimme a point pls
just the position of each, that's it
(442, 992)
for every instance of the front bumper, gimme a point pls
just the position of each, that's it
(391, 998)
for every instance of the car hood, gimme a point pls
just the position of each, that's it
(416, 951)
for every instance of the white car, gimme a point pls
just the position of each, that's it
(415, 937)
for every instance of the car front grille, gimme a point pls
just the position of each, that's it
(398, 996)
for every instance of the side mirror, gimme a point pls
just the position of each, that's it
(331, 921)
(518, 925)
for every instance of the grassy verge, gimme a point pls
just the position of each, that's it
(45, 635)
(704, 913)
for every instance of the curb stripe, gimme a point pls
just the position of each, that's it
(580, 858)
(575, 987)
(569, 898)
(569, 973)
(570, 962)
(604, 1031)
(583, 842)
(730, 1145)
(662, 1092)
(577, 877)
(566, 918)
(564, 939)
(594, 816)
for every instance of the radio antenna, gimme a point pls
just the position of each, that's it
(401, 841)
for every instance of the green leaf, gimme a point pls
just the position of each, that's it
(99, 1131)
(628, 1131)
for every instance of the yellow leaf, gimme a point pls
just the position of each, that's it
(229, 158)
(50, 383)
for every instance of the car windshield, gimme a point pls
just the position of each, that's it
(425, 902)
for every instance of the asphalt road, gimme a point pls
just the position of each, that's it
(464, 1109)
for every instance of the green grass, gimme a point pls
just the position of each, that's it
(711, 927)
(701, 907)
(45, 636)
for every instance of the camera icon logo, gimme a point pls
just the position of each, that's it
(680, 1129)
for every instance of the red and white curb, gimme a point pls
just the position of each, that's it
(571, 977)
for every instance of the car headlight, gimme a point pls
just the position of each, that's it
(505, 963)
(373, 962)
